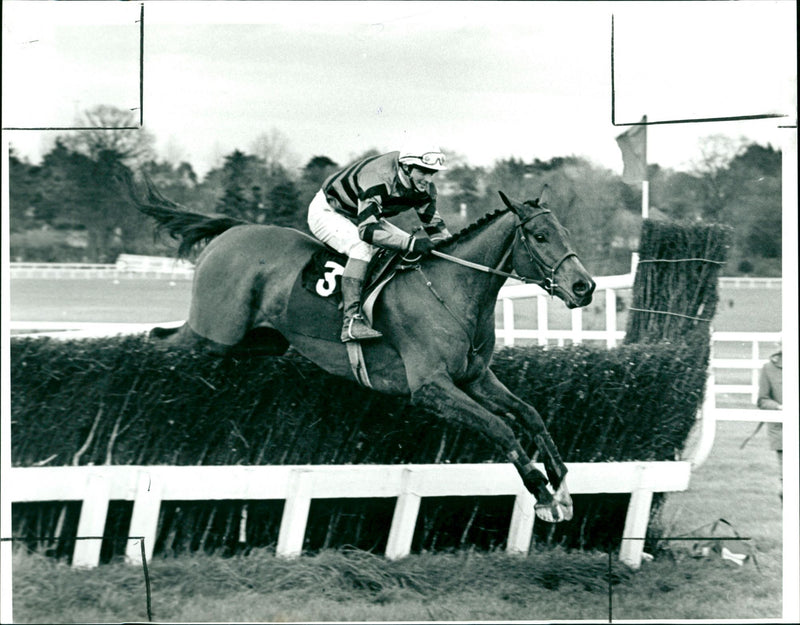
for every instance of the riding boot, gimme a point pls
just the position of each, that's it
(354, 327)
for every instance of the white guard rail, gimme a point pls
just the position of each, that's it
(148, 486)
(126, 266)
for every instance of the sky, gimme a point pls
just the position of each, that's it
(484, 80)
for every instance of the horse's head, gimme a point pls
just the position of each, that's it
(543, 253)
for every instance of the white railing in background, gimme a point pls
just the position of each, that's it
(510, 293)
(154, 264)
(710, 415)
(754, 340)
(61, 270)
(148, 486)
(747, 282)
(126, 266)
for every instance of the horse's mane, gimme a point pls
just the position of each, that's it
(473, 227)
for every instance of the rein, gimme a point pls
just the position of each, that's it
(548, 283)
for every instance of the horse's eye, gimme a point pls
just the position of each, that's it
(540, 237)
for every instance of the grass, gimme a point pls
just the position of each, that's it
(740, 486)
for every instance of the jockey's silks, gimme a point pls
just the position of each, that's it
(371, 189)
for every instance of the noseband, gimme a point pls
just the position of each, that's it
(549, 281)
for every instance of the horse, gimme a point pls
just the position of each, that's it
(436, 317)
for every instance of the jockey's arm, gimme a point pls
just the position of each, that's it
(376, 231)
(433, 223)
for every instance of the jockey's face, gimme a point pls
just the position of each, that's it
(420, 178)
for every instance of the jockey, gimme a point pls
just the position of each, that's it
(349, 214)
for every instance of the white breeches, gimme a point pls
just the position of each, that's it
(336, 230)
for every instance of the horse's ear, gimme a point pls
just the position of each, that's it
(544, 196)
(506, 201)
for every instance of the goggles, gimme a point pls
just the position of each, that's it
(432, 158)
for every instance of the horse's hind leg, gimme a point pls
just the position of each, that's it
(184, 337)
(262, 342)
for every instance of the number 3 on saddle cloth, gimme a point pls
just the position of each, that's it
(316, 298)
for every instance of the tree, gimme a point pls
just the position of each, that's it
(313, 175)
(284, 205)
(242, 179)
(273, 149)
(678, 194)
(317, 170)
(765, 160)
(717, 152)
(24, 193)
(462, 181)
(79, 191)
(107, 129)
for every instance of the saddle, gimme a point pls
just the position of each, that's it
(316, 298)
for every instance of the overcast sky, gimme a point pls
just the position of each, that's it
(486, 80)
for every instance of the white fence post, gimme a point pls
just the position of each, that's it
(611, 318)
(541, 318)
(636, 521)
(92, 522)
(404, 521)
(754, 354)
(295, 514)
(508, 321)
(144, 518)
(708, 423)
(577, 325)
(522, 519)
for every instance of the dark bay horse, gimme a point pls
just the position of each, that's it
(437, 319)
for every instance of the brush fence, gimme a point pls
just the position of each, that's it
(148, 486)
(709, 415)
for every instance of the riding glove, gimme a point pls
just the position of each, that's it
(421, 246)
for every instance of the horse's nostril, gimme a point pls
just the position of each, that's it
(580, 287)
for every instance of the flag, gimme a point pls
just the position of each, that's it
(633, 145)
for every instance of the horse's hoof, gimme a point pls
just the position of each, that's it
(549, 514)
(554, 513)
(557, 508)
(564, 501)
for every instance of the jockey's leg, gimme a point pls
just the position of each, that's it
(342, 235)
(354, 326)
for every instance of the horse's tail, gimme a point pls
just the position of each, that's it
(188, 227)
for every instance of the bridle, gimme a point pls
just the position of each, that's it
(548, 283)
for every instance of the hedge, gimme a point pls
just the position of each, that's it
(125, 400)
(675, 287)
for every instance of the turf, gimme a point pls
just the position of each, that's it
(739, 485)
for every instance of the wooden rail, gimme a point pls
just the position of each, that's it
(148, 486)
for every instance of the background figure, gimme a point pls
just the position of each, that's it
(770, 397)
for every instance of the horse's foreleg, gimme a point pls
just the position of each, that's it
(441, 396)
(489, 392)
